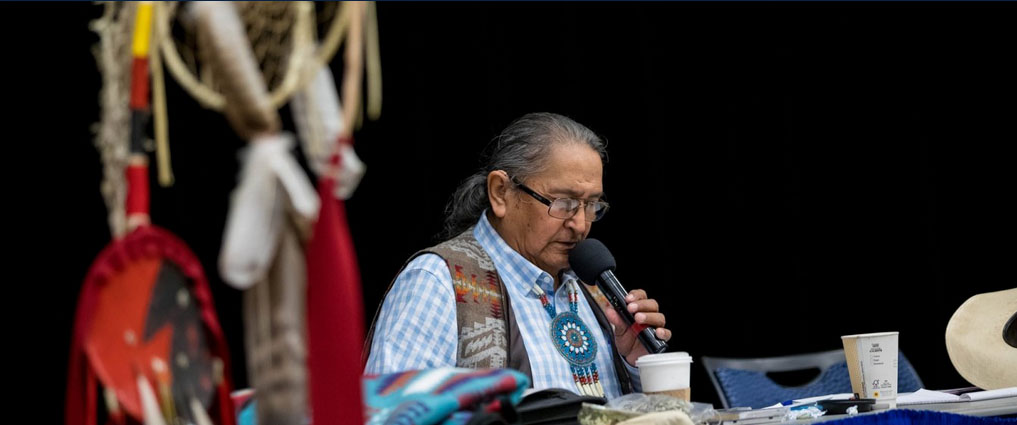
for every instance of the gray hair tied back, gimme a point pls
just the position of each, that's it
(521, 151)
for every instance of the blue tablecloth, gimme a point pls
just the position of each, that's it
(921, 417)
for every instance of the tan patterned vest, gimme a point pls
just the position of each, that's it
(487, 330)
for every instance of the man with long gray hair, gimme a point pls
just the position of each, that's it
(499, 292)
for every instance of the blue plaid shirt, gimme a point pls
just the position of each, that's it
(417, 328)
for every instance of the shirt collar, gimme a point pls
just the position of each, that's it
(502, 254)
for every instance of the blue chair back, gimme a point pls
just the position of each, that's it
(743, 382)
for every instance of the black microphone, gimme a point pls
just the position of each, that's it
(593, 262)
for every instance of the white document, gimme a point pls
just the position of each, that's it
(924, 396)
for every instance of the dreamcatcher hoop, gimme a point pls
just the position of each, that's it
(297, 72)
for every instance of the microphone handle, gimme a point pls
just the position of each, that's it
(615, 294)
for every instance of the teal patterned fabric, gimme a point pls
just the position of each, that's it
(446, 396)
(440, 396)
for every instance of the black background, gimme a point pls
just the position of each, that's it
(780, 174)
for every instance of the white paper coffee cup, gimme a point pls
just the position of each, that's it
(872, 364)
(666, 373)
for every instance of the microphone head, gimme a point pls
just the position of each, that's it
(589, 259)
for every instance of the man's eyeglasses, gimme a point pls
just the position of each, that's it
(565, 208)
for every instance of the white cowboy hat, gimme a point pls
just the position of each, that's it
(981, 339)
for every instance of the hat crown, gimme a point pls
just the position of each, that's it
(1010, 331)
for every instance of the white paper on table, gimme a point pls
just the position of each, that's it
(990, 394)
(924, 396)
(810, 400)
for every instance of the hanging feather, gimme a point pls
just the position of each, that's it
(270, 216)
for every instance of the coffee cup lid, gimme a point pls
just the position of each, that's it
(870, 335)
(664, 358)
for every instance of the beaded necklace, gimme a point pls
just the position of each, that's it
(574, 341)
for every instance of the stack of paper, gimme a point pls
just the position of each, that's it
(979, 403)
(747, 416)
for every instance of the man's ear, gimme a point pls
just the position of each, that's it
(498, 186)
